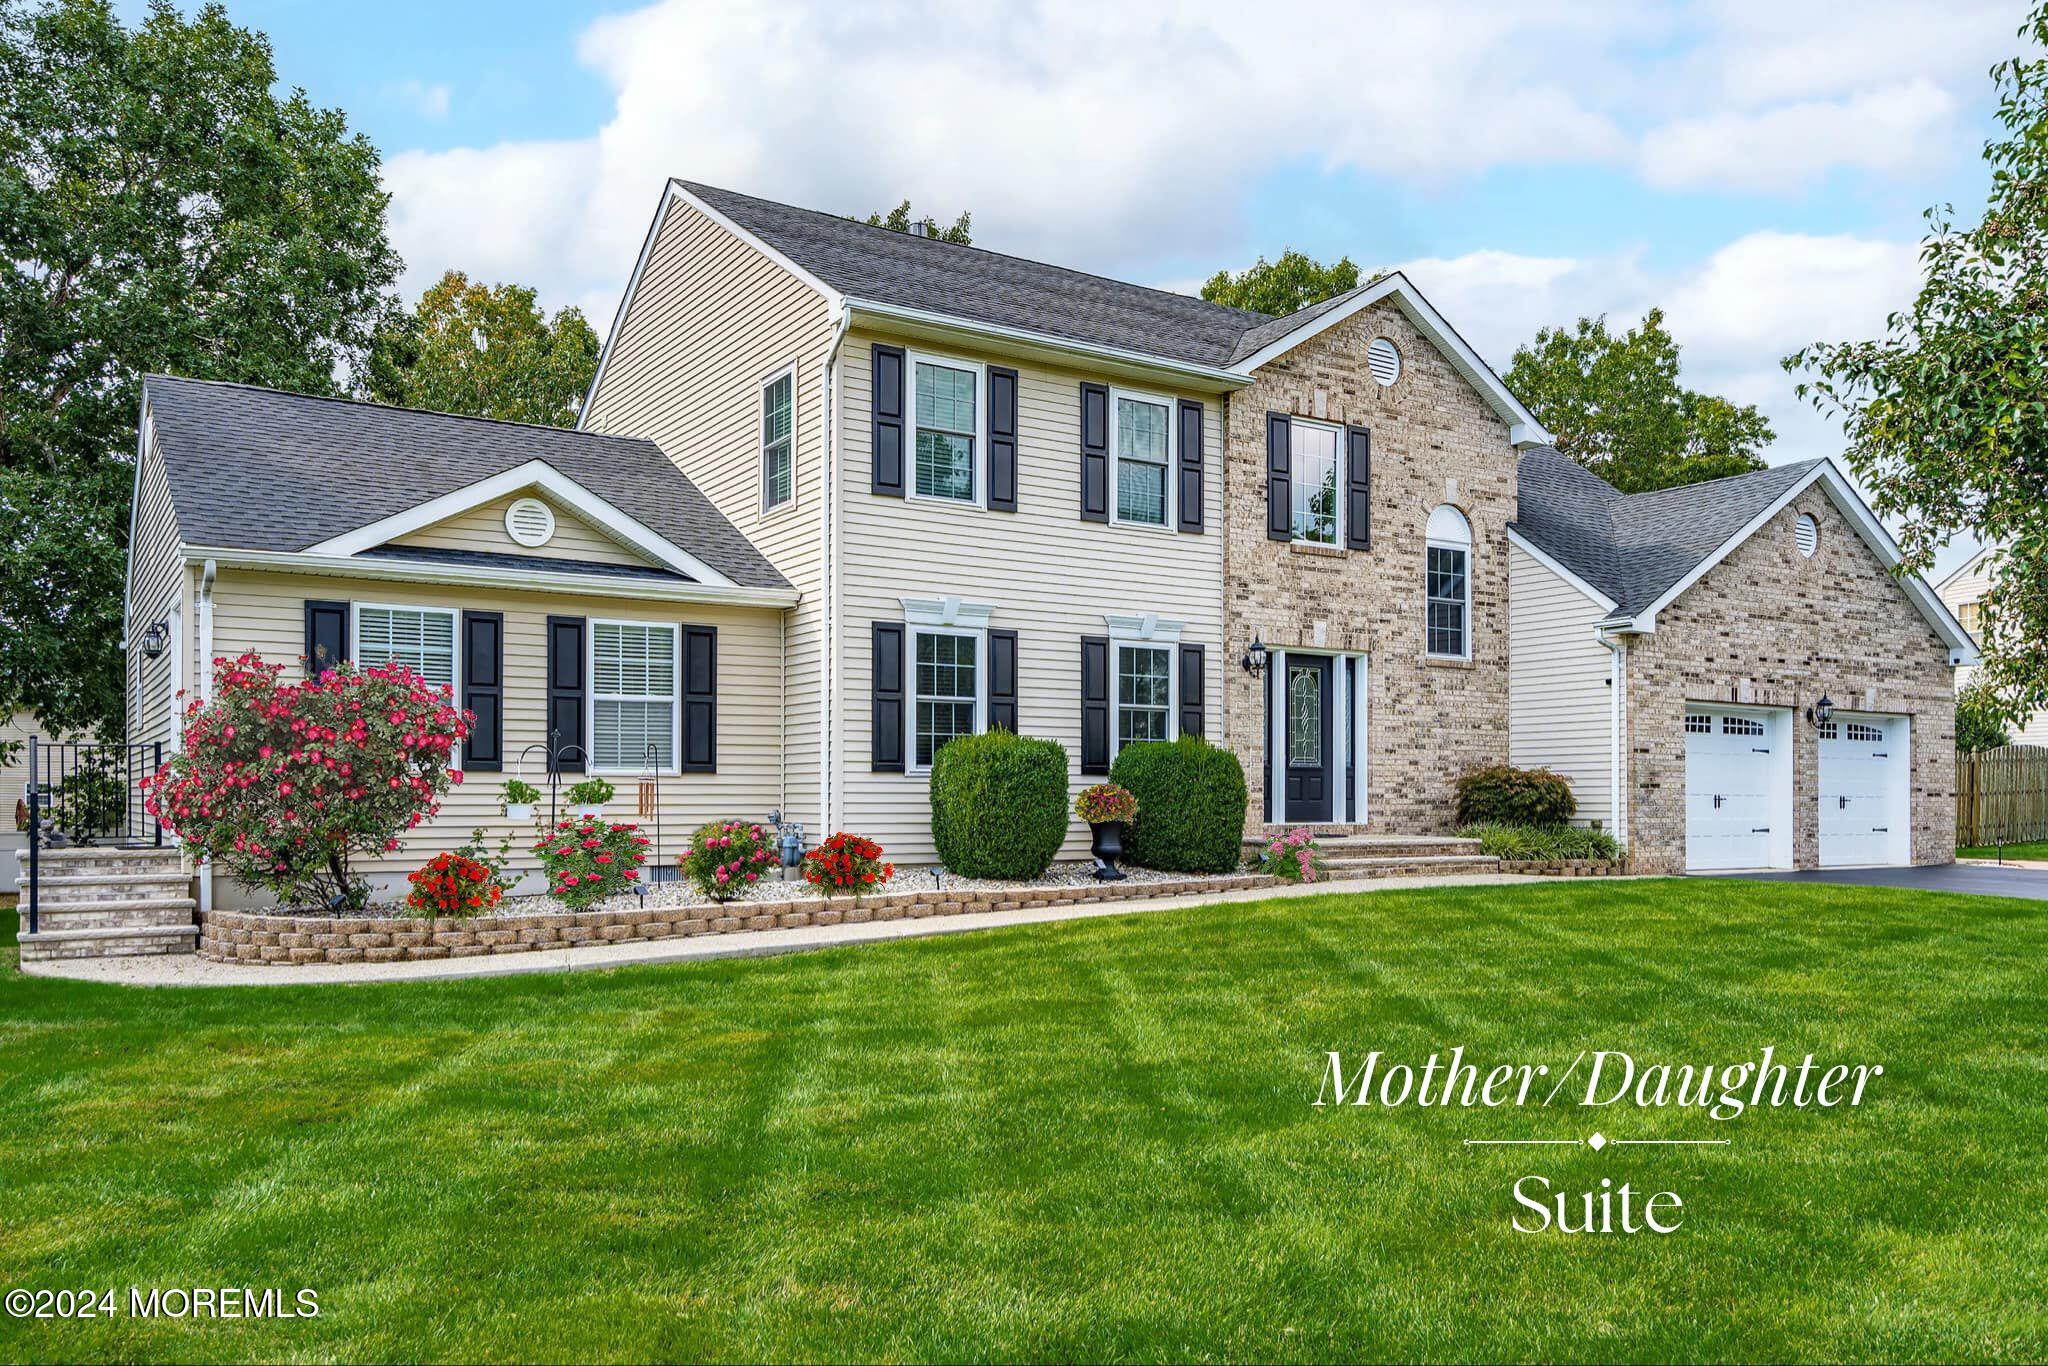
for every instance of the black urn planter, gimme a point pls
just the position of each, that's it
(1108, 847)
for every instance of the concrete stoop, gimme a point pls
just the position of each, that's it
(1349, 852)
(109, 902)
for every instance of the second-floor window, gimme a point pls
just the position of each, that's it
(1142, 453)
(1449, 584)
(945, 407)
(1312, 455)
(778, 439)
(1971, 615)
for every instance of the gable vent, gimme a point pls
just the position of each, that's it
(1806, 534)
(530, 522)
(1383, 358)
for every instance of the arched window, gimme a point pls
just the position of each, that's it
(1449, 584)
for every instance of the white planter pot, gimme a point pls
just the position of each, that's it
(588, 810)
(519, 811)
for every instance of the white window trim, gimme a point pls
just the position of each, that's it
(787, 370)
(1117, 646)
(590, 698)
(1469, 549)
(979, 635)
(1337, 468)
(355, 648)
(1116, 514)
(979, 457)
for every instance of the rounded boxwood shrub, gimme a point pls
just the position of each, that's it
(999, 804)
(1501, 794)
(1191, 805)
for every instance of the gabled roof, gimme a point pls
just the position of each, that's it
(267, 470)
(1637, 552)
(877, 270)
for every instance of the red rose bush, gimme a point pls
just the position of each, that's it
(453, 885)
(847, 863)
(587, 859)
(284, 786)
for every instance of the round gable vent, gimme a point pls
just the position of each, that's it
(529, 521)
(1806, 534)
(1383, 358)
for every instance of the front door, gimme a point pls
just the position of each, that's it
(1311, 756)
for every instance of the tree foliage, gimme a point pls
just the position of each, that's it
(162, 208)
(898, 219)
(1284, 286)
(1978, 722)
(484, 350)
(1614, 404)
(1946, 414)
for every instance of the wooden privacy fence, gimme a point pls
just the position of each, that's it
(2002, 796)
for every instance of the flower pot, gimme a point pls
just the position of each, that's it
(1108, 846)
(519, 811)
(587, 810)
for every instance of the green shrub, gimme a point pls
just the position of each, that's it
(1980, 724)
(1191, 805)
(1502, 794)
(999, 804)
(1543, 843)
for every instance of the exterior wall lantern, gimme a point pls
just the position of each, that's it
(1820, 711)
(155, 638)
(1254, 661)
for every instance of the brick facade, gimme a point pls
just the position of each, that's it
(1434, 441)
(1773, 628)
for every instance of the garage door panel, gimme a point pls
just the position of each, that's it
(1864, 776)
(1737, 811)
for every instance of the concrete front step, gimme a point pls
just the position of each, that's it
(110, 942)
(1404, 865)
(112, 914)
(1382, 845)
(71, 888)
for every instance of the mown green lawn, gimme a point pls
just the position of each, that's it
(1092, 1140)
(2038, 849)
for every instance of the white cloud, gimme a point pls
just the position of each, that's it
(1906, 127)
(429, 101)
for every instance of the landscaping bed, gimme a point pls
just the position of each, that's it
(671, 910)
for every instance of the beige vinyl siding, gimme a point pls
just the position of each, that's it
(1049, 575)
(710, 320)
(1560, 702)
(1959, 591)
(157, 581)
(265, 612)
(483, 528)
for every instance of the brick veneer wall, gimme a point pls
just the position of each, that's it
(1434, 441)
(1770, 627)
(253, 937)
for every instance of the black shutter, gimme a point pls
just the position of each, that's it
(1095, 704)
(1191, 456)
(1191, 675)
(889, 440)
(1094, 452)
(886, 741)
(1358, 488)
(1002, 680)
(1279, 486)
(700, 699)
(1002, 439)
(566, 687)
(326, 636)
(483, 690)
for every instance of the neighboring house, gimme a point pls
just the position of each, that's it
(910, 490)
(1964, 593)
(575, 590)
(1676, 646)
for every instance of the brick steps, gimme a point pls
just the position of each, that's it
(67, 889)
(120, 941)
(1412, 865)
(107, 901)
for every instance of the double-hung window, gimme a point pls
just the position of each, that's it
(1312, 459)
(1143, 452)
(1144, 694)
(778, 439)
(420, 638)
(633, 679)
(945, 405)
(1448, 584)
(947, 678)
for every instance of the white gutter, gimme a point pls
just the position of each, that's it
(471, 576)
(828, 691)
(1617, 730)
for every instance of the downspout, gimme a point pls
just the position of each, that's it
(207, 574)
(828, 690)
(1617, 730)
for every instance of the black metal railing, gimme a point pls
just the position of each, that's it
(79, 794)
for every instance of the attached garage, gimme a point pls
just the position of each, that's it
(1738, 788)
(1865, 791)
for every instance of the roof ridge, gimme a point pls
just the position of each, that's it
(373, 405)
(1790, 465)
(1253, 316)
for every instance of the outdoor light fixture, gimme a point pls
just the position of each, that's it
(1820, 711)
(1254, 660)
(155, 638)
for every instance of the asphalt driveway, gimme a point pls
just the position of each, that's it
(1980, 879)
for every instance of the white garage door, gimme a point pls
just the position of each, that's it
(1865, 806)
(1738, 797)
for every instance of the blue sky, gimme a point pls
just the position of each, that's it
(1757, 169)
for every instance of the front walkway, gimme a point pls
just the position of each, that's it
(189, 970)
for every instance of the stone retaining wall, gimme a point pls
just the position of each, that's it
(255, 937)
(1565, 867)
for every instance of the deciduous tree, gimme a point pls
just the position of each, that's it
(1284, 286)
(484, 350)
(898, 219)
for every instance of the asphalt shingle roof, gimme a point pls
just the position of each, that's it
(263, 469)
(1635, 547)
